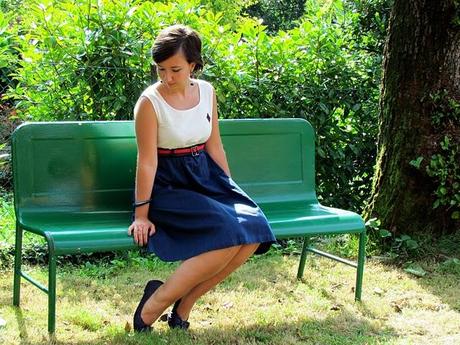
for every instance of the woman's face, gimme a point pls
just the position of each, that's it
(175, 71)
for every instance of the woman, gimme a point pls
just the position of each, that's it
(186, 205)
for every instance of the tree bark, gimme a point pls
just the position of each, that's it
(421, 59)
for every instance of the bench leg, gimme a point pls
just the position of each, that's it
(17, 266)
(303, 257)
(360, 268)
(52, 293)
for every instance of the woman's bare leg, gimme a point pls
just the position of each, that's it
(191, 297)
(189, 274)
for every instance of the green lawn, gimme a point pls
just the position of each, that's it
(262, 303)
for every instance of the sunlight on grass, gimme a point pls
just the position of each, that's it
(262, 303)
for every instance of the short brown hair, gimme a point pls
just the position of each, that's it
(178, 37)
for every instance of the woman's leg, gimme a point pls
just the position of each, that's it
(190, 298)
(189, 274)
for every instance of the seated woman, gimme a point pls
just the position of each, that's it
(187, 206)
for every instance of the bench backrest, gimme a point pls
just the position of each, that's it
(90, 166)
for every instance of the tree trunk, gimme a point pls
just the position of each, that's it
(421, 83)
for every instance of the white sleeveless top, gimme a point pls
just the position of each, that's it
(182, 128)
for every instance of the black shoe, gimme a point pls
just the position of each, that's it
(174, 320)
(138, 323)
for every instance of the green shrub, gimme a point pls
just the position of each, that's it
(85, 60)
(313, 71)
(277, 14)
(441, 161)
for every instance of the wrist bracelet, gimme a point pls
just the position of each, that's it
(141, 203)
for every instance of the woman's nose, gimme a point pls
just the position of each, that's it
(168, 77)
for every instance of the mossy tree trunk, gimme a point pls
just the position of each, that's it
(421, 60)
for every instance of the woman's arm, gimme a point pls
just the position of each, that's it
(146, 125)
(214, 144)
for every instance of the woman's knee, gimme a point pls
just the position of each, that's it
(201, 267)
(218, 255)
(244, 253)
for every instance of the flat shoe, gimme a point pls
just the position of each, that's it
(174, 320)
(138, 324)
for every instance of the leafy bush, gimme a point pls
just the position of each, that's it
(85, 60)
(314, 72)
(442, 156)
(277, 14)
(370, 25)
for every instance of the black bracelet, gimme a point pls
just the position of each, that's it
(141, 203)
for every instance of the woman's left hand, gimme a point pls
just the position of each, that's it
(141, 229)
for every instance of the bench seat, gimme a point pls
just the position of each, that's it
(70, 233)
(314, 220)
(87, 232)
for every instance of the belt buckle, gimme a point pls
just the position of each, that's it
(194, 151)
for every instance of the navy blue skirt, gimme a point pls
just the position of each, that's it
(197, 208)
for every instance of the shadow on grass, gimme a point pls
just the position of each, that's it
(270, 270)
(441, 262)
(343, 328)
(444, 285)
(443, 279)
(23, 334)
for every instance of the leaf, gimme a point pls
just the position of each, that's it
(455, 215)
(416, 162)
(452, 261)
(411, 244)
(405, 237)
(384, 233)
(416, 270)
(397, 308)
(127, 327)
(227, 305)
(324, 108)
(378, 291)
(336, 307)
(321, 152)
(373, 223)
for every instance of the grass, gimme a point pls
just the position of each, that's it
(262, 303)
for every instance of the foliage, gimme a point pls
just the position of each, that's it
(403, 249)
(81, 60)
(312, 71)
(381, 240)
(232, 10)
(277, 14)
(371, 24)
(8, 57)
(450, 266)
(445, 168)
(442, 161)
(84, 60)
(9, 5)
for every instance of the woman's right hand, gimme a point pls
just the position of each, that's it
(141, 229)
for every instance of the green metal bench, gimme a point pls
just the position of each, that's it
(73, 185)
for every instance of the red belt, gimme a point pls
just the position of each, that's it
(193, 150)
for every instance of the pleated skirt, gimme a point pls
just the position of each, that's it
(197, 208)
